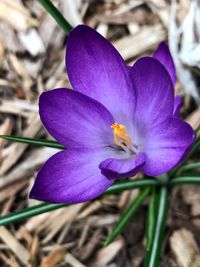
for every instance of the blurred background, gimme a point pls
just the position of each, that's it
(32, 60)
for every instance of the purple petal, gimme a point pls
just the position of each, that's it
(71, 177)
(178, 102)
(163, 54)
(122, 168)
(96, 69)
(154, 92)
(75, 120)
(166, 146)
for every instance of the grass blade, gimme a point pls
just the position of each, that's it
(45, 207)
(193, 178)
(153, 255)
(151, 218)
(55, 13)
(188, 166)
(195, 148)
(131, 184)
(29, 212)
(127, 216)
(31, 141)
(197, 129)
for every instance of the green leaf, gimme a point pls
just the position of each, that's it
(29, 212)
(188, 166)
(127, 216)
(151, 218)
(31, 141)
(195, 148)
(197, 129)
(191, 178)
(131, 184)
(55, 13)
(45, 207)
(153, 255)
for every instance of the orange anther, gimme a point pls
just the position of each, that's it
(121, 137)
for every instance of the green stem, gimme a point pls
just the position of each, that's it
(55, 13)
(31, 141)
(153, 255)
(45, 207)
(127, 216)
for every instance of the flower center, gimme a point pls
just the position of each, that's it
(121, 137)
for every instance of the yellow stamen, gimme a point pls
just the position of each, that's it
(121, 137)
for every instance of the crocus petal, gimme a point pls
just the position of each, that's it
(154, 92)
(178, 102)
(166, 146)
(96, 69)
(122, 168)
(75, 120)
(163, 54)
(71, 177)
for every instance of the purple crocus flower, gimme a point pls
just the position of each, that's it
(116, 122)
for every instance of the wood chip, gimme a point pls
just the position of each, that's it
(27, 167)
(32, 42)
(54, 257)
(32, 56)
(105, 255)
(65, 216)
(5, 129)
(2, 48)
(191, 196)
(18, 148)
(194, 118)
(175, 37)
(18, 249)
(10, 261)
(90, 209)
(18, 107)
(15, 14)
(185, 248)
(69, 258)
(152, 36)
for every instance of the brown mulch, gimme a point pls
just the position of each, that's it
(32, 53)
